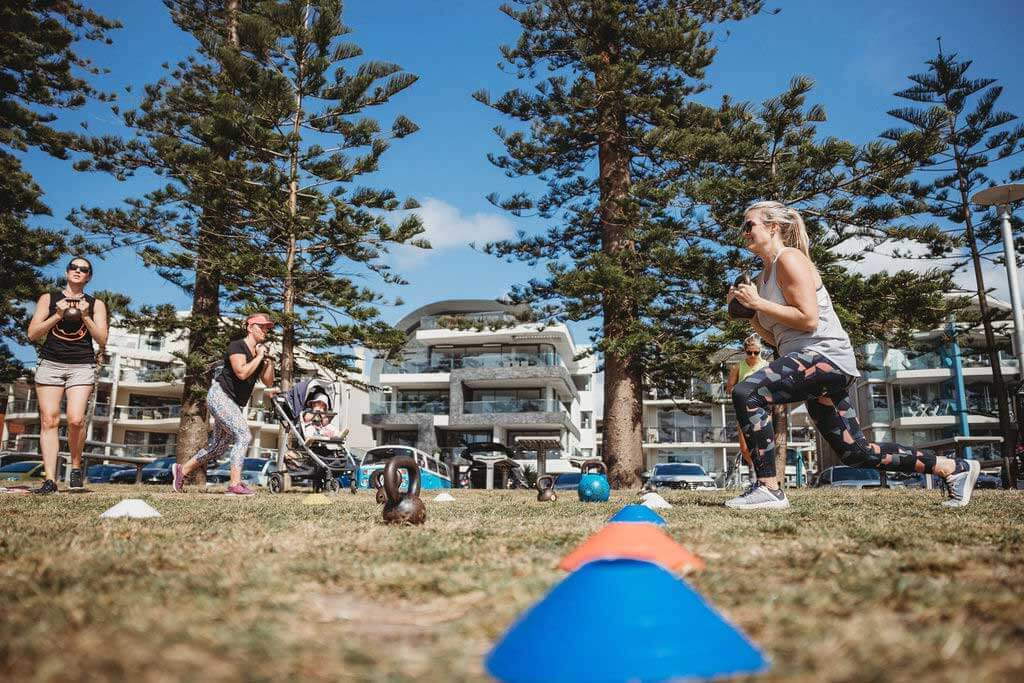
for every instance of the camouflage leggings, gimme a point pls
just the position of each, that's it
(810, 377)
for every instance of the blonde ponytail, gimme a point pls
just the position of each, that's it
(790, 222)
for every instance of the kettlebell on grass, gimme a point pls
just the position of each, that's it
(377, 482)
(546, 489)
(403, 508)
(736, 309)
(593, 487)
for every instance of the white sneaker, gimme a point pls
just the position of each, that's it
(759, 497)
(961, 485)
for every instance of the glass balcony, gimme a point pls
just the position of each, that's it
(716, 434)
(514, 405)
(407, 407)
(462, 320)
(164, 412)
(446, 360)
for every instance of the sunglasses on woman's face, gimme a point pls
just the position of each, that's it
(80, 269)
(753, 353)
(748, 225)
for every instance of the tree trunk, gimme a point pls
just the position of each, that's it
(1005, 427)
(193, 427)
(623, 375)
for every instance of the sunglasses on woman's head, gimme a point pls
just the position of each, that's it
(80, 269)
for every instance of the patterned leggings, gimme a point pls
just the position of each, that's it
(230, 431)
(809, 376)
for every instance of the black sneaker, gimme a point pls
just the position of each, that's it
(47, 487)
(75, 480)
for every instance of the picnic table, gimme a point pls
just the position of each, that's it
(958, 443)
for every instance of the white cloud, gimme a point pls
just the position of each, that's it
(446, 227)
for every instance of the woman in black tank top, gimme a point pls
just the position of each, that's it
(67, 322)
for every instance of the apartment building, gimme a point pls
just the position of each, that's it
(138, 403)
(915, 396)
(471, 373)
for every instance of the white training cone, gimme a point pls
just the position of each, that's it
(132, 507)
(655, 502)
(444, 498)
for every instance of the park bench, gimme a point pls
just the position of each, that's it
(957, 444)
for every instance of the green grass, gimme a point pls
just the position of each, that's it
(846, 586)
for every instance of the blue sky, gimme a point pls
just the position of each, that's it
(859, 53)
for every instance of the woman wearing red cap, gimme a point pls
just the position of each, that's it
(245, 361)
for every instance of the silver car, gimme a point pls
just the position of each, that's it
(850, 477)
(681, 475)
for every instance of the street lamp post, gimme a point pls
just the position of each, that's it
(1002, 196)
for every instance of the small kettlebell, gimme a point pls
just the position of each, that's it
(593, 488)
(72, 315)
(377, 482)
(353, 483)
(736, 309)
(546, 489)
(402, 508)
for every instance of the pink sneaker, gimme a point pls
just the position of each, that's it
(240, 490)
(177, 479)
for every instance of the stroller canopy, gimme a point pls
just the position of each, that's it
(300, 393)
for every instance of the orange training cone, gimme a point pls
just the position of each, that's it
(626, 541)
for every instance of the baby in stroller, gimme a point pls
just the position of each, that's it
(318, 452)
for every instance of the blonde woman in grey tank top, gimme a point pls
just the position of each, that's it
(816, 364)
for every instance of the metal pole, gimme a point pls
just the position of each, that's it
(1011, 274)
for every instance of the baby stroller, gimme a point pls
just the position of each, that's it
(321, 460)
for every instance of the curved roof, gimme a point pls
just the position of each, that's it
(454, 306)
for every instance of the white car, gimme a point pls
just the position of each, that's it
(681, 475)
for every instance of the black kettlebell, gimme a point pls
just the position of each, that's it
(72, 315)
(736, 309)
(377, 482)
(403, 508)
(353, 483)
(546, 489)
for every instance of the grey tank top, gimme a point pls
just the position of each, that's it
(829, 338)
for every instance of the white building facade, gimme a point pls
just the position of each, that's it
(471, 374)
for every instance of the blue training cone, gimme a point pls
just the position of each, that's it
(632, 621)
(637, 513)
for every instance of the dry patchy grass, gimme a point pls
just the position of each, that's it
(846, 586)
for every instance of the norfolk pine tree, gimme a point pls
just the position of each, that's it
(41, 74)
(318, 233)
(974, 136)
(614, 71)
(188, 129)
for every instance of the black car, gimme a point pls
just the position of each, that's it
(101, 474)
(156, 472)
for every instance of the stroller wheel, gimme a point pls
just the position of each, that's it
(332, 485)
(276, 483)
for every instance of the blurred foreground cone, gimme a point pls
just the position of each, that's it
(628, 541)
(630, 621)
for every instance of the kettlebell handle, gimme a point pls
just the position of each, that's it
(393, 478)
(377, 479)
(541, 486)
(593, 464)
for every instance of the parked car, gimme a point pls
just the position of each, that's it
(156, 472)
(566, 481)
(101, 474)
(681, 475)
(850, 477)
(26, 470)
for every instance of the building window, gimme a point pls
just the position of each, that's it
(586, 419)
(395, 438)
(153, 342)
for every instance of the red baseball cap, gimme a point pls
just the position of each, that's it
(261, 319)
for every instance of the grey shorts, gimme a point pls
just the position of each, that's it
(52, 374)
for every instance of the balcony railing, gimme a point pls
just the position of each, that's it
(407, 407)
(31, 406)
(714, 434)
(514, 405)
(163, 412)
(934, 361)
(29, 443)
(484, 360)
(456, 321)
(976, 405)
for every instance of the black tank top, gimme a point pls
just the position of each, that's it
(68, 343)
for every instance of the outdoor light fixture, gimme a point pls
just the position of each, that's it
(1002, 196)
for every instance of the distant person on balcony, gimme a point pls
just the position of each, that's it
(752, 362)
(794, 313)
(67, 366)
(246, 361)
